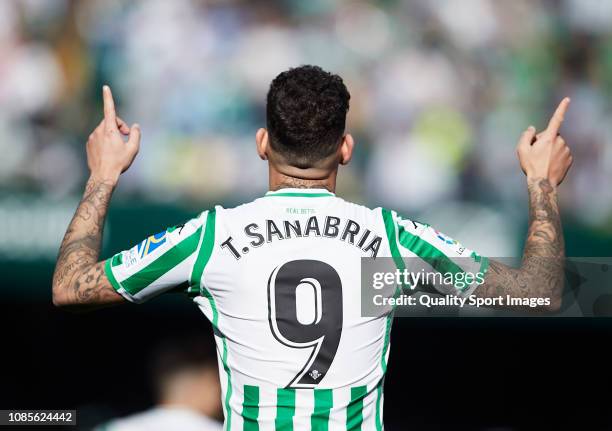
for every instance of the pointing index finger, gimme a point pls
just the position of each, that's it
(109, 107)
(557, 119)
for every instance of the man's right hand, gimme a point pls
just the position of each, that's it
(108, 155)
(546, 155)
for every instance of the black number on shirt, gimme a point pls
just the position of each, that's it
(305, 311)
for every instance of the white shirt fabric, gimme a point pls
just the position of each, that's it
(279, 279)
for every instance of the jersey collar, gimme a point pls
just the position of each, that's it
(301, 193)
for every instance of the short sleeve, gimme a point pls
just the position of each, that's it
(160, 263)
(445, 263)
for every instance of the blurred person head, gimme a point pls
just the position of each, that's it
(305, 118)
(185, 374)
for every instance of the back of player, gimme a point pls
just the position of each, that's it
(280, 277)
(284, 286)
(280, 280)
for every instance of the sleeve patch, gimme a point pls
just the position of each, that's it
(151, 243)
(455, 245)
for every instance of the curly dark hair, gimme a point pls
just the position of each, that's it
(306, 114)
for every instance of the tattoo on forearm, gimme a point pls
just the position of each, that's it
(79, 278)
(541, 271)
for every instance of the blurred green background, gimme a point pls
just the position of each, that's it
(440, 91)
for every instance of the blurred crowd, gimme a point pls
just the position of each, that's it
(440, 89)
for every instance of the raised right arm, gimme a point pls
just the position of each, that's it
(545, 159)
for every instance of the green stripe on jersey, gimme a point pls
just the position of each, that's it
(484, 266)
(423, 249)
(484, 262)
(285, 409)
(111, 277)
(167, 261)
(390, 229)
(475, 256)
(117, 259)
(323, 402)
(228, 392)
(379, 395)
(354, 411)
(205, 250)
(204, 254)
(250, 408)
(399, 262)
(430, 254)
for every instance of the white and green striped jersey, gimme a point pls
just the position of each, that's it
(279, 279)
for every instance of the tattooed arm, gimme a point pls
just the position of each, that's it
(545, 159)
(79, 280)
(541, 271)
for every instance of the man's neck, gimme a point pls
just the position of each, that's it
(279, 181)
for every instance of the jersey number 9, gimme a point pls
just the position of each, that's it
(305, 311)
